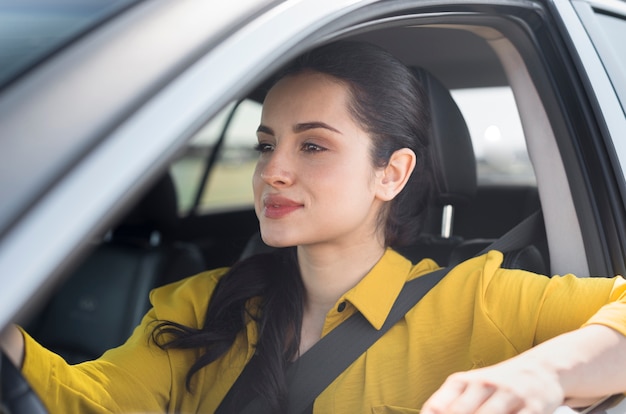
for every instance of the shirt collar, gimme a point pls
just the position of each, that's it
(376, 293)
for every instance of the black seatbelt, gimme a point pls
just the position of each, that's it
(332, 354)
(525, 233)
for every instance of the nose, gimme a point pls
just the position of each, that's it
(277, 168)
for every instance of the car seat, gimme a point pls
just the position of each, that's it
(100, 304)
(455, 172)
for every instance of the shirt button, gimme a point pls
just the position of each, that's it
(341, 307)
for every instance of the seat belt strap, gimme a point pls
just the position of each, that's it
(523, 234)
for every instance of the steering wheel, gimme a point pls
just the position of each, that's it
(16, 395)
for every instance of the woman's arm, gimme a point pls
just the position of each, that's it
(586, 363)
(12, 344)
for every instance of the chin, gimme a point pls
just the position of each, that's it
(277, 241)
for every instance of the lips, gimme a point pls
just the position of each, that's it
(276, 206)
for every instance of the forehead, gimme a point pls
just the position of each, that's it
(308, 91)
(311, 98)
(310, 77)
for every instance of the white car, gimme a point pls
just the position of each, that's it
(126, 128)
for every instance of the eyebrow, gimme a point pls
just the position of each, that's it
(313, 125)
(301, 127)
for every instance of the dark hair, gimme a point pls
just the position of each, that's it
(388, 103)
(274, 280)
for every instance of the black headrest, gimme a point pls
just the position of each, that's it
(451, 145)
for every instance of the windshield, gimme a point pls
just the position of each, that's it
(32, 30)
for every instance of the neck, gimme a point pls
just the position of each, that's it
(328, 272)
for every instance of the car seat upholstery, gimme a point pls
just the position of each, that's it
(455, 172)
(106, 297)
(454, 168)
(456, 186)
(505, 205)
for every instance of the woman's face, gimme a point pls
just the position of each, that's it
(314, 182)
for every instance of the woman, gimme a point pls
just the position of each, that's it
(343, 175)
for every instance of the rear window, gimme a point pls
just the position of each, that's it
(497, 135)
(32, 30)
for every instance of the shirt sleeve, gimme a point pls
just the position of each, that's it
(127, 379)
(531, 308)
(136, 377)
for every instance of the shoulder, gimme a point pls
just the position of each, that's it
(186, 301)
(485, 280)
(479, 271)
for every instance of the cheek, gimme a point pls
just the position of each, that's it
(257, 184)
(256, 176)
(350, 182)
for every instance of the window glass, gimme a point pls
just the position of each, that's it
(615, 29)
(612, 50)
(497, 136)
(229, 183)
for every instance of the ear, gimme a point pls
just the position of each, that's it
(394, 176)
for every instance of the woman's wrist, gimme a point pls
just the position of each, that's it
(584, 361)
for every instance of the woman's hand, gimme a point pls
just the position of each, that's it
(12, 344)
(519, 385)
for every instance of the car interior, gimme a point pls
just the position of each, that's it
(158, 241)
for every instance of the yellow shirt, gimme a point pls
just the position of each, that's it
(477, 315)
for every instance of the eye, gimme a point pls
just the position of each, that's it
(310, 147)
(263, 147)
